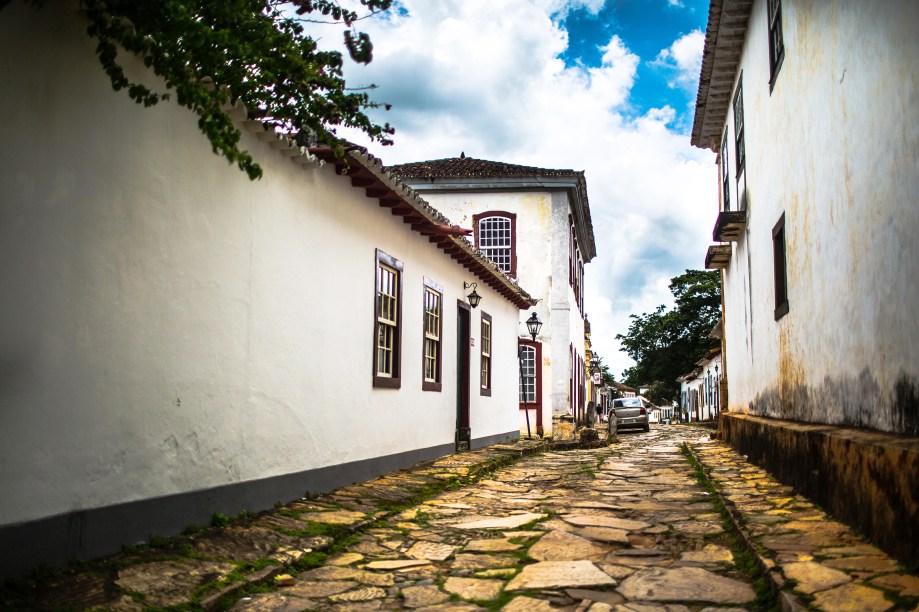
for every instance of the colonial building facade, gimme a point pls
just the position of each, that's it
(534, 223)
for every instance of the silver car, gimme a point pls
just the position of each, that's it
(632, 412)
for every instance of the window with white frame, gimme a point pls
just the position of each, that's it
(433, 327)
(388, 315)
(527, 374)
(486, 355)
(495, 237)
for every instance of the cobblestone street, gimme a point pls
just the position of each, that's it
(631, 526)
(587, 529)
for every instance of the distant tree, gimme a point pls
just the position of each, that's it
(667, 343)
(212, 53)
(660, 393)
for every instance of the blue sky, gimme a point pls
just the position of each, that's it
(646, 27)
(604, 86)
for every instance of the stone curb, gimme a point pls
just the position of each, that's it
(788, 601)
(809, 552)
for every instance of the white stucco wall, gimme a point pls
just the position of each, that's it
(542, 269)
(834, 147)
(168, 325)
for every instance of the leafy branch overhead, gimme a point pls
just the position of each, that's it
(213, 53)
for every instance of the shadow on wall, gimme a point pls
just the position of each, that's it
(850, 402)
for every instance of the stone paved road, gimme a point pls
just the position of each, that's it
(629, 527)
(626, 528)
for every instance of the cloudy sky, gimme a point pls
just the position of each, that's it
(604, 86)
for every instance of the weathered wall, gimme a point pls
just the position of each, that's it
(866, 479)
(834, 147)
(169, 327)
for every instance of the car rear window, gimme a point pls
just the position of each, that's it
(627, 402)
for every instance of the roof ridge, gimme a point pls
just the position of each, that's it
(471, 166)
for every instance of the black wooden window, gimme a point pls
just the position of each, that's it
(725, 174)
(781, 278)
(739, 154)
(776, 43)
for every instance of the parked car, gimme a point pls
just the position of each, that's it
(632, 412)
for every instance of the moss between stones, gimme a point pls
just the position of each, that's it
(744, 559)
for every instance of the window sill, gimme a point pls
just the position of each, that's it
(431, 386)
(382, 382)
(485, 392)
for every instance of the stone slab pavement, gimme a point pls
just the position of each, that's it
(662, 521)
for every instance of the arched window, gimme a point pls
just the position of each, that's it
(495, 236)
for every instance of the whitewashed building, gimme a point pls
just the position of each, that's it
(177, 340)
(811, 110)
(700, 390)
(535, 224)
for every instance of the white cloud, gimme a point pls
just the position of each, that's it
(464, 75)
(684, 59)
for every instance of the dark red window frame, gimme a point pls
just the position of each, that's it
(537, 405)
(513, 219)
(485, 385)
(427, 385)
(394, 381)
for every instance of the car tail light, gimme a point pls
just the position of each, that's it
(642, 411)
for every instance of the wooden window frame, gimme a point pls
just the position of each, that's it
(427, 384)
(537, 375)
(394, 379)
(740, 151)
(486, 374)
(776, 40)
(780, 268)
(572, 245)
(725, 173)
(477, 219)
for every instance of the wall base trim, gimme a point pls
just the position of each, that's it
(96, 532)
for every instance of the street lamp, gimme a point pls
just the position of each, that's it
(533, 326)
(473, 297)
(596, 380)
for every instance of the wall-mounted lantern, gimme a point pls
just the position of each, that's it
(473, 297)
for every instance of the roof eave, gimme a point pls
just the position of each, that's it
(724, 41)
(574, 183)
(423, 218)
